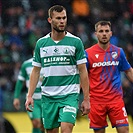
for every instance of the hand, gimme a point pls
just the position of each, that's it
(85, 107)
(16, 103)
(29, 104)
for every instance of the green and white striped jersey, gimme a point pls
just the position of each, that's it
(24, 75)
(59, 60)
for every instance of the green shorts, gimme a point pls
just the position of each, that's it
(37, 110)
(55, 111)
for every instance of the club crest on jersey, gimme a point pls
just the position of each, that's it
(114, 55)
(66, 50)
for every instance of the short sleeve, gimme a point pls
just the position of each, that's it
(36, 56)
(80, 54)
(124, 64)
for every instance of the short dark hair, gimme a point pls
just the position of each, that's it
(57, 8)
(102, 23)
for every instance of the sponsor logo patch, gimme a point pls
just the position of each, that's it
(69, 109)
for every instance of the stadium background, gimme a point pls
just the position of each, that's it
(22, 22)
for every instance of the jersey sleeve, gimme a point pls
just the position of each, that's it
(124, 64)
(87, 63)
(20, 80)
(36, 56)
(22, 73)
(80, 54)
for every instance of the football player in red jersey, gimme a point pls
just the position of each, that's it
(105, 62)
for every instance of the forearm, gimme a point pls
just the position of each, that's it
(129, 74)
(18, 88)
(34, 77)
(84, 81)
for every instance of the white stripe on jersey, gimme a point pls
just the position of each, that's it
(60, 70)
(57, 50)
(21, 78)
(29, 69)
(60, 90)
(81, 61)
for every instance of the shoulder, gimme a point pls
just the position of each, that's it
(25, 63)
(94, 47)
(113, 47)
(43, 39)
(117, 49)
(69, 35)
(28, 61)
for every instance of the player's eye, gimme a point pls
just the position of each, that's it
(106, 31)
(100, 31)
(64, 17)
(58, 18)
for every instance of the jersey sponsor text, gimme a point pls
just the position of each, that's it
(108, 63)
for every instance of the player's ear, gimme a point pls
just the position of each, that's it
(95, 33)
(111, 33)
(49, 20)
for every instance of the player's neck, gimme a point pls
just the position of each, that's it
(57, 36)
(104, 46)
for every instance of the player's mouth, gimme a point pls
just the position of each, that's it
(104, 38)
(62, 26)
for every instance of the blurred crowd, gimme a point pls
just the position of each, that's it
(22, 22)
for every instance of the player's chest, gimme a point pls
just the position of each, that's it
(103, 59)
(57, 50)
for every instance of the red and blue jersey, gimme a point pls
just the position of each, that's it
(104, 67)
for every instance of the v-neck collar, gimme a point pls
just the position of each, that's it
(102, 48)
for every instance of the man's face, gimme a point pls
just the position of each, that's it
(58, 21)
(103, 34)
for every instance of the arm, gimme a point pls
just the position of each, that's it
(34, 77)
(84, 81)
(18, 88)
(129, 74)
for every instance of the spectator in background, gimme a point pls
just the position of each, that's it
(30, 21)
(71, 29)
(6, 67)
(109, 10)
(0, 8)
(130, 5)
(96, 11)
(15, 44)
(1, 101)
(41, 20)
(129, 53)
(81, 32)
(124, 22)
(11, 12)
(121, 7)
(14, 37)
(34, 35)
(129, 93)
(81, 11)
(2, 126)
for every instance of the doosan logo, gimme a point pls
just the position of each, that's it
(108, 63)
